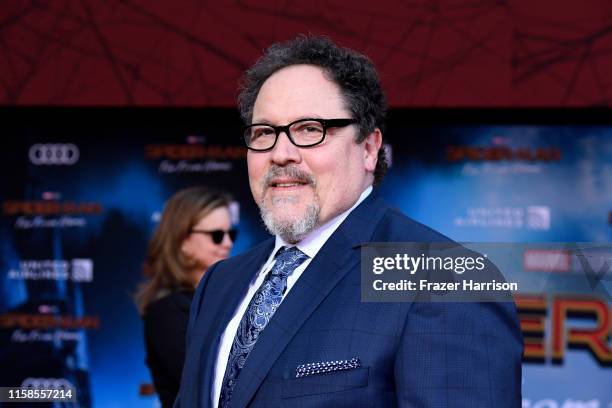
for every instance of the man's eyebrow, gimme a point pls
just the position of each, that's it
(265, 121)
(269, 122)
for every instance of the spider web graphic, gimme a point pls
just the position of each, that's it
(564, 59)
(444, 53)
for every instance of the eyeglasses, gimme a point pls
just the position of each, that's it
(260, 137)
(218, 235)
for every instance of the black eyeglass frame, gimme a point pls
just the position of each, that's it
(326, 123)
(218, 235)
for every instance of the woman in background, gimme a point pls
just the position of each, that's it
(194, 233)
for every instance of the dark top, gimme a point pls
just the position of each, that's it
(165, 326)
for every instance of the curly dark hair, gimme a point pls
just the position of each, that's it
(353, 72)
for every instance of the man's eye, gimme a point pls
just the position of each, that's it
(310, 128)
(260, 132)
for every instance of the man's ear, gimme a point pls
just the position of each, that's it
(372, 144)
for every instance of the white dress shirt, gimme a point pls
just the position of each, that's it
(310, 245)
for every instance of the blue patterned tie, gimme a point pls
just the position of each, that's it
(259, 312)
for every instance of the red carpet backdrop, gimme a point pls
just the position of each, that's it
(446, 53)
(137, 99)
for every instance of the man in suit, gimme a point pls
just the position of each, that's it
(283, 324)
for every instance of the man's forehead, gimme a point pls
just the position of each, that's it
(301, 73)
(296, 92)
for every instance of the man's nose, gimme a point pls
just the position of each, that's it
(284, 151)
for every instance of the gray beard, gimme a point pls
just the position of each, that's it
(291, 231)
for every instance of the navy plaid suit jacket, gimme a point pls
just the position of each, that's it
(411, 354)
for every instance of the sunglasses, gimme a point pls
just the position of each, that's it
(218, 235)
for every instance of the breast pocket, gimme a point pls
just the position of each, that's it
(325, 383)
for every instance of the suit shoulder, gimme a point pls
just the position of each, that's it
(396, 226)
(247, 256)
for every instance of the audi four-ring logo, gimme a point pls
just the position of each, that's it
(54, 154)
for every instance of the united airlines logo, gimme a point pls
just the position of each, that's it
(538, 217)
(533, 217)
(53, 154)
(76, 270)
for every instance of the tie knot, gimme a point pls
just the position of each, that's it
(287, 259)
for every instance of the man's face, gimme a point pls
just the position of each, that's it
(298, 189)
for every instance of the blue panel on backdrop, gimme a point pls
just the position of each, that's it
(518, 184)
(83, 202)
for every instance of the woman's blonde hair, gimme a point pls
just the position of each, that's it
(166, 266)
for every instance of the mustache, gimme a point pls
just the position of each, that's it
(289, 172)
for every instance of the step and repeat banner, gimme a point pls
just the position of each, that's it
(81, 198)
(527, 184)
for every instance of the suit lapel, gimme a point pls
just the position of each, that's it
(224, 295)
(336, 258)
